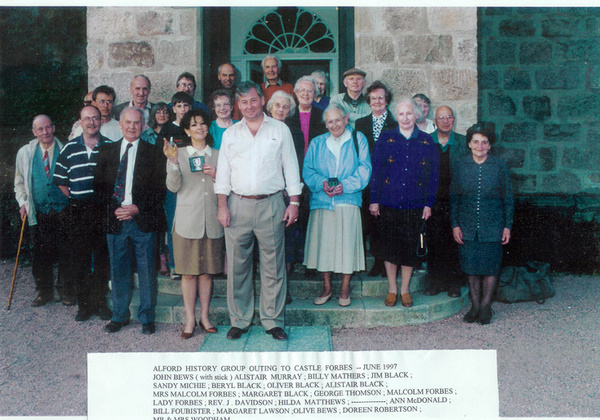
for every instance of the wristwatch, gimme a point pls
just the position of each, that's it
(295, 203)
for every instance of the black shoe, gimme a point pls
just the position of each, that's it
(114, 326)
(454, 291)
(485, 315)
(68, 300)
(103, 312)
(148, 328)
(42, 298)
(471, 316)
(234, 333)
(277, 333)
(83, 314)
(432, 290)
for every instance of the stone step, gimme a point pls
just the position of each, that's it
(365, 311)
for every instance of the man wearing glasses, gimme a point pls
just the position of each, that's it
(186, 82)
(444, 271)
(103, 98)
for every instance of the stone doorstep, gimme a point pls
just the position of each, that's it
(365, 312)
(300, 338)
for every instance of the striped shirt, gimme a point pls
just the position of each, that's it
(75, 168)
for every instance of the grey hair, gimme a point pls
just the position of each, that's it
(143, 76)
(135, 108)
(308, 79)
(284, 95)
(40, 116)
(335, 106)
(279, 64)
(245, 87)
(416, 108)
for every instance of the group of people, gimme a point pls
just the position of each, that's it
(303, 176)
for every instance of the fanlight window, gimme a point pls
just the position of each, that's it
(289, 30)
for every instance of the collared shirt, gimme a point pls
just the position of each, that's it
(444, 147)
(130, 167)
(50, 150)
(75, 168)
(261, 164)
(378, 124)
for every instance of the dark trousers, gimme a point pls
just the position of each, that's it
(442, 263)
(128, 244)
(49, 247)
(89, 253)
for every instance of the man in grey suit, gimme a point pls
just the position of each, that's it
(444, 271)
(257, 161)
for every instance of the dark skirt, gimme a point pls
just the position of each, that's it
(397, 236)
(480, 258)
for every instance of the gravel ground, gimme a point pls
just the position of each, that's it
(548, 355)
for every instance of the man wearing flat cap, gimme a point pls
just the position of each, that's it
(353, 101)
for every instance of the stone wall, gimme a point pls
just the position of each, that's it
(539, 80)
(422, 50)
(158, 42)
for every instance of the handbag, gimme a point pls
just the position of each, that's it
(422, 245)
(530, 282)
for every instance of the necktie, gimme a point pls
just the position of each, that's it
(119, 191)
(46, 162)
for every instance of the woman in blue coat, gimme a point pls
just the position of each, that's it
(336, 169)
(481, 212)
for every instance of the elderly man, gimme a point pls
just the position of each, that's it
(353, 101)
(74, 175)
(103, 98)
(257, 161)
(444, 270)
(140, 88)
(186, 82)
(130, 184)
(43, 203)
(271, 66)
(227, 75)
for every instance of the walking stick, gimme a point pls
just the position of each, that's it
(12, 286)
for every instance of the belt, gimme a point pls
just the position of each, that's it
(257, 197)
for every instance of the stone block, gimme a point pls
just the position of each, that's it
(592, 26)
(488, 79)
(537, 107)
(375, 50)
(404, 19)
(593, 132)
(560, 25)
(587, 158)
(163, 83)
(514, 158)
(118, 81)
(551, 77)
(500, 52)
(543, 159)
(113, 21)
(517, 27)
(130, 54)
(562, 132)
(188, 22)
(593, 77)
(405, 82)
(443, 20)
(584, 50)
(95, 56)
(595, 177)
(564, 182)
(525, 132)
(501, 105)
(425, 49)
(515, 79)
(523, 183)
(453, 84)
(578, 106)
(177, 53)
(539, 52)
(467, 50)
(153, 23)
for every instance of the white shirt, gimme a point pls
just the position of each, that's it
(261, 164)
(130, 166)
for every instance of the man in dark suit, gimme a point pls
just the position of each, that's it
(130, 182)
(442, 260)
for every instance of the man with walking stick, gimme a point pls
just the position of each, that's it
(44, 204)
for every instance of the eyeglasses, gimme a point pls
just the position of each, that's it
(446, 118)
(163, 112)
(302, 90)
(186, 85)
(88, 119)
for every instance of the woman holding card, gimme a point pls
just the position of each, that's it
(198, 238)
(336, 169)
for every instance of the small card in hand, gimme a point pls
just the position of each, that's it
(333, 182)
(196, 163)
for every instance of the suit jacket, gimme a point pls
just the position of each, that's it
(148, 190)
(196, 211)
(365, 126)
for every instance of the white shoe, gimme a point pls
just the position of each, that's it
(322, 300)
